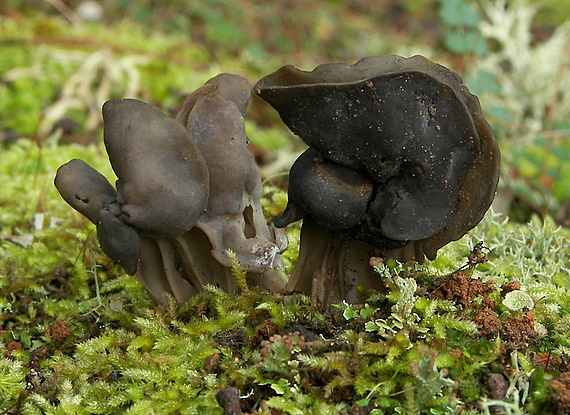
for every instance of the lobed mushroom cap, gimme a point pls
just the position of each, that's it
(335, 195)
(163, 179)
(234, 88)
(411, 127)
(213, 116)
(119, 241)
(231, 87)
(89, 192)
(84, 188)
(187, 190)
(218, 129)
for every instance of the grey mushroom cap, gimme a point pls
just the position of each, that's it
(84, 188)
(119, 241)
(217, 127)
(188, 190)
(234, 88)
(163, 179)
(231, 87)
(89, 192)
(233, 219)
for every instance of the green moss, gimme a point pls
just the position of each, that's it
(12, 380)
(404, 350)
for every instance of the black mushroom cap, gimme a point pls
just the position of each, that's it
(335, 195)
(163, 179)
(410, 127)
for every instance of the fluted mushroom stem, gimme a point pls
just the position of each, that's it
(331, 269)
(180, 267)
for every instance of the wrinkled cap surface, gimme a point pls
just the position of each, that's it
(163, 179)
(409, 125)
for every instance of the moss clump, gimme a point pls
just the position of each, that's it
(80, 336)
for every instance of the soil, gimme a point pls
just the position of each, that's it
(561, 388)
(59, 331)
(267, 329)
(516, 331)
(460, 288)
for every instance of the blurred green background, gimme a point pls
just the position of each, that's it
(60, 60)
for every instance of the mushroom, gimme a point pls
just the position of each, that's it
(159, 193)
(187, 191)
(401, 162)
(233, 219)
